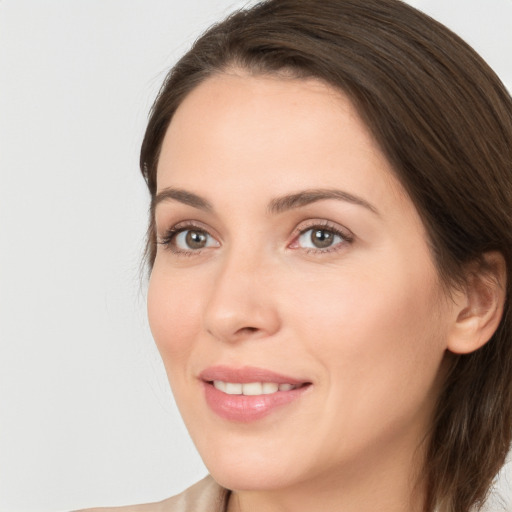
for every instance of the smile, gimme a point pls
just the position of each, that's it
(252, 388)
(249, 394)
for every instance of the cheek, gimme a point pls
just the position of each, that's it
(380, 352)
(384, 324)
(173, 312)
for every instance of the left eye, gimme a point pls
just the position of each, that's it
(319, 238)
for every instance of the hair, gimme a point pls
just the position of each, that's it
(444, 121)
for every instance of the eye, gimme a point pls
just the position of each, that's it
(188, 240)
(317, 238)
(192, 239)
(321, 238)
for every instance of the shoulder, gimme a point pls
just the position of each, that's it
(204, 496)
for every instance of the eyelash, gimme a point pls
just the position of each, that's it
(346, 237)
(174, 231)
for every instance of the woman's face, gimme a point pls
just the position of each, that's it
(294, 271)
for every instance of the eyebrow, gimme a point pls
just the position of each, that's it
(276, 205)
(305, 197)
(182, 196)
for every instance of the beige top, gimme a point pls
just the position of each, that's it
(204, 496)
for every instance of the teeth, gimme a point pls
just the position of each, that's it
(254, 388)
(251, 388)
(269, 388)
(233, 388)
(220, 385)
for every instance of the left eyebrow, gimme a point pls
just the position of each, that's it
(305, 197)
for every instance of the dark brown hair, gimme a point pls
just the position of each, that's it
(444, 121)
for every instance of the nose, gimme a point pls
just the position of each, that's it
(242, 305)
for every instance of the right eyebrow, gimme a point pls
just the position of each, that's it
(182, 196)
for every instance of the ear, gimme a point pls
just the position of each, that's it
(480, 305)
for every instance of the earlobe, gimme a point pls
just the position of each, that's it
(481, 306)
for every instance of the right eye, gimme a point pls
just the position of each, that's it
(188, 240)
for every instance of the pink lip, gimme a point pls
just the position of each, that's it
(243, 408)
(246, 374)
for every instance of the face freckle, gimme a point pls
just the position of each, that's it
(355, 316)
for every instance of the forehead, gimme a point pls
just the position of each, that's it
(263, 107)
(287, 132)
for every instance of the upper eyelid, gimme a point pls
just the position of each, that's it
(324, 224)
(310, 223)
(187, 224)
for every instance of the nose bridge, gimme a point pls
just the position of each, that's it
(241, 303)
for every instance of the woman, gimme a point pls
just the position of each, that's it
(329, 246)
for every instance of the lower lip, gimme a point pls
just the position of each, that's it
(243, 408)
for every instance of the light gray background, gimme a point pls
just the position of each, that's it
(86, 417)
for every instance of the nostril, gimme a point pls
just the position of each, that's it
(248, 330)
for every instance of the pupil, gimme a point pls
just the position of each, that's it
(321, 238)
(196, 239)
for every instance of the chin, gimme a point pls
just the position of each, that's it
(250, 469)
(244, 478)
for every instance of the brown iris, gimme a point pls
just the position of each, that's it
(196, 239)
(322, 238)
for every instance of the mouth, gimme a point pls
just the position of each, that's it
(253, 388)
(249, 394)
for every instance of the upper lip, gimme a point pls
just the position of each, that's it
(245, 375)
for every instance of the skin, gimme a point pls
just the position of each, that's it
(365, 321)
